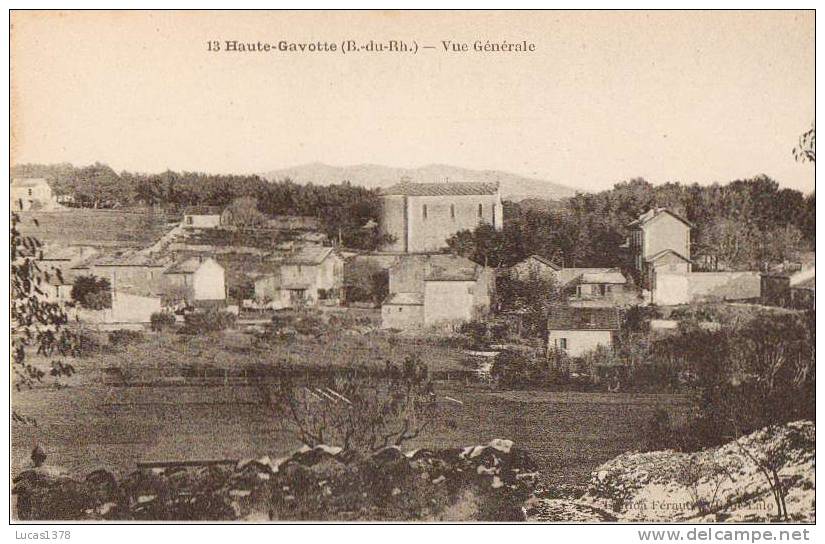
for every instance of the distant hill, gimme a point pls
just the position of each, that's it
(513, 186)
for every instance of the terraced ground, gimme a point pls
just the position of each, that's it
(127, 227)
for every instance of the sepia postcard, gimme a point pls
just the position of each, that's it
(413, 266)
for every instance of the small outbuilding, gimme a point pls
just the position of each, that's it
(578, 330)
(202, 217)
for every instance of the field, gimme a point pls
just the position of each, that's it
(95, 423)
(131, 227)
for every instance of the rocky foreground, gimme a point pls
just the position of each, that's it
(493, 482)
(730, 483)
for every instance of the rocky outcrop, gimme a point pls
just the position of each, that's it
(729, 483)
(489, 482)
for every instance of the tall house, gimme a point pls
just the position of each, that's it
(422, 216)
(31, 194)
(659, 241)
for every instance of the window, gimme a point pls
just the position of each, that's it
(494, 215)
(188, 219)
(452, 211)
(480, 209)
(424, 211)
(562, 343)
(30, 192)
(602, 289)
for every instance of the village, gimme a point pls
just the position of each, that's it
(207, 262)
(245, 331)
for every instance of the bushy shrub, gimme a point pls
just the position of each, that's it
(659, 434)
(748, 377)
(212, 320)
(515, 369)
(92, 292)
(476, 334)
(162, 320)
(123, 336)
(85, 344)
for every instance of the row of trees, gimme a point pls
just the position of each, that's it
(742, 225)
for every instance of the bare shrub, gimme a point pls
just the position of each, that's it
(356, 409)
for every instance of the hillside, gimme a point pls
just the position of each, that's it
(118, 228)
(513, 186)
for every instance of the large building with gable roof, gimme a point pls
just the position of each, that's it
(422, 216)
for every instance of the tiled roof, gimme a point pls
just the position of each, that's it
(664, 252)
(132, 258)
(611, 276)
(451, 268)
(545, 261)
(566, 318)
(309, 255)
(405, 299)
(442, 189)
(185, 266)
(655, 212)
(203, 210)
(568, 275)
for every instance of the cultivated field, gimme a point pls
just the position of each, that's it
(99, 423)
(125, 227)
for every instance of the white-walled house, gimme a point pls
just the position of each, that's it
(578, 330)
(301, 276)
(198, 279)
(131, 304)
(435, 289)
(202, 217)
(31, 194)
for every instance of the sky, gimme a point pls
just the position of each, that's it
(606, 96)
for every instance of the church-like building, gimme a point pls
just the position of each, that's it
(422, 216)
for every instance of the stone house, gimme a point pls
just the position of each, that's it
(130, 270)
(607, 286)
(535, 266)
(597, 286)
(62, 259)
(659, 242)
(422, 216)
(31, 194)
(304, 275)
(197, 279)
(578, 330)
(202, 217)
(435, 289)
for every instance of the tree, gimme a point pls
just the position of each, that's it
(806, 148)
(487, 245)
(35, 321)
(92, 292)
(355, 408)
(532, 297)
(243, 212)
